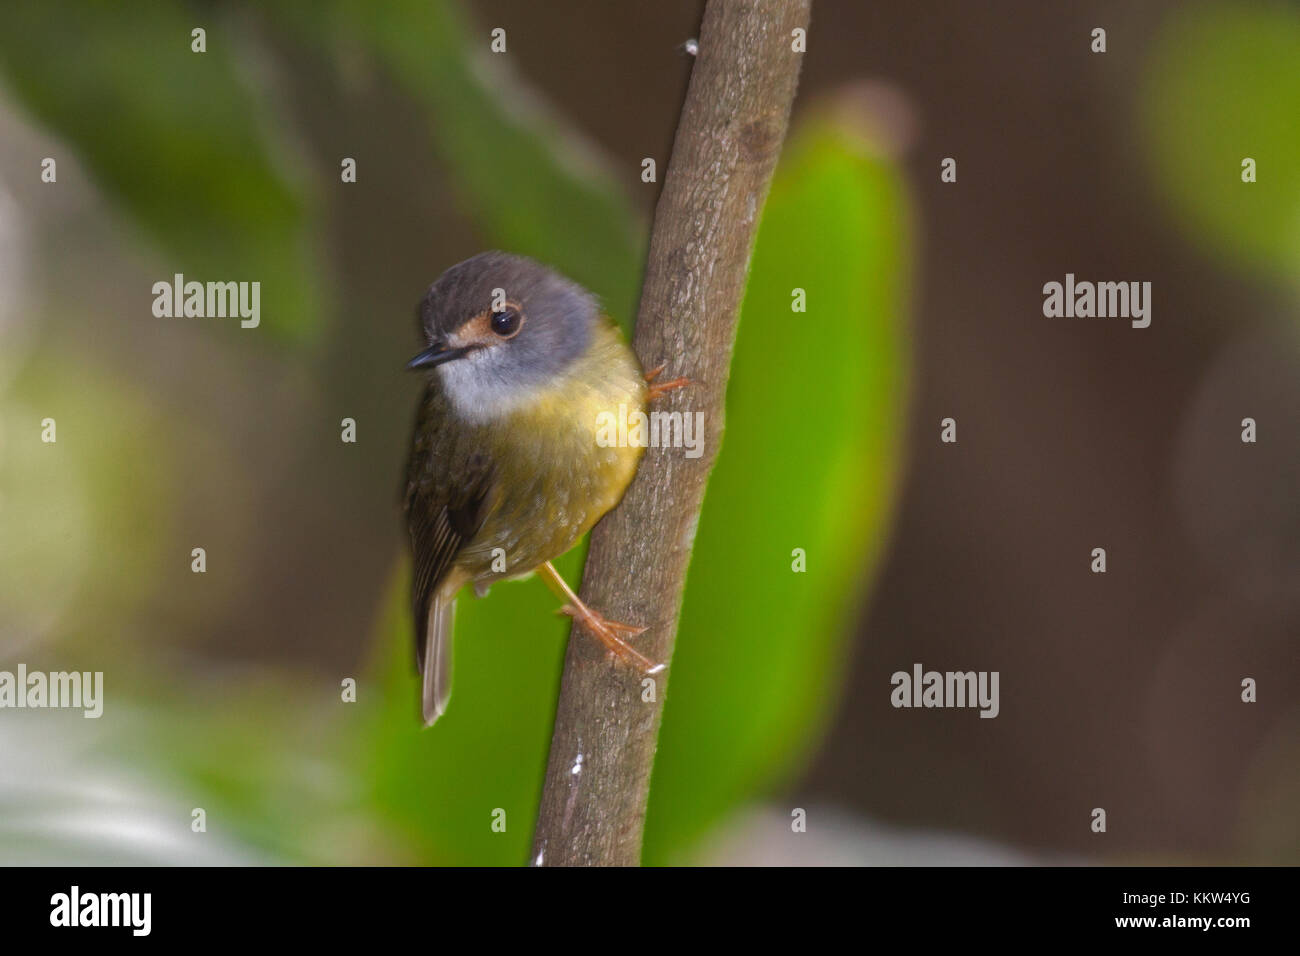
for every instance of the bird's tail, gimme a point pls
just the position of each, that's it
(436, 676)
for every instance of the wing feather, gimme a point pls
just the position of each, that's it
(448, 484)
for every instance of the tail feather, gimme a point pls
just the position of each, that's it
(436, 664)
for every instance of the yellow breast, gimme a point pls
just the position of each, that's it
(563, 460)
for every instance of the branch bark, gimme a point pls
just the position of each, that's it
(728, 139)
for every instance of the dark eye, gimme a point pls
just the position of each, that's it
(506, 322)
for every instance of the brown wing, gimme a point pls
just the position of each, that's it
(447, 485)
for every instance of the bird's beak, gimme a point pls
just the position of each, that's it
(435, 354)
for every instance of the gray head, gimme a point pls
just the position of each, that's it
(499, 327)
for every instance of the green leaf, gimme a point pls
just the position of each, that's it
(812, 446)
(437, 789)
(177, 139)
(1222, 85)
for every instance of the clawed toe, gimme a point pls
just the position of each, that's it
(656, 390)
(612, 634)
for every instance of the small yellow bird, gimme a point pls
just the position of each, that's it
(505, 470)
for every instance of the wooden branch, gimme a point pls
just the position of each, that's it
(730, 134)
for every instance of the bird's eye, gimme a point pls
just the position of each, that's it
(506, 322)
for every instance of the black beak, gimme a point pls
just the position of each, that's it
(435, 355)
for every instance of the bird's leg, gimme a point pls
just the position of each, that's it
(610, 633)
(657, 390)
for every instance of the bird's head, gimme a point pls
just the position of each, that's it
(499, 328)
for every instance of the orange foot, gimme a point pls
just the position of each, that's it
(612, 634)
(662, 387)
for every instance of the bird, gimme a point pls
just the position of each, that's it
(505, 472)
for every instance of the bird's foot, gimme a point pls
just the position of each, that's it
(613, 635)
(657, 390)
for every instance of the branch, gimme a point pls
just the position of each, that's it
(730, 134)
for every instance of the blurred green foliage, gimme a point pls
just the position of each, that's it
(97, 483)
(438, 789)
(181, 141)
(1223, 84)
(525, 181)
(808, 461)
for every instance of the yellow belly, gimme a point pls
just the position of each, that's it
(560, 463)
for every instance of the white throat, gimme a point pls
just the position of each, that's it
(478, 392)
